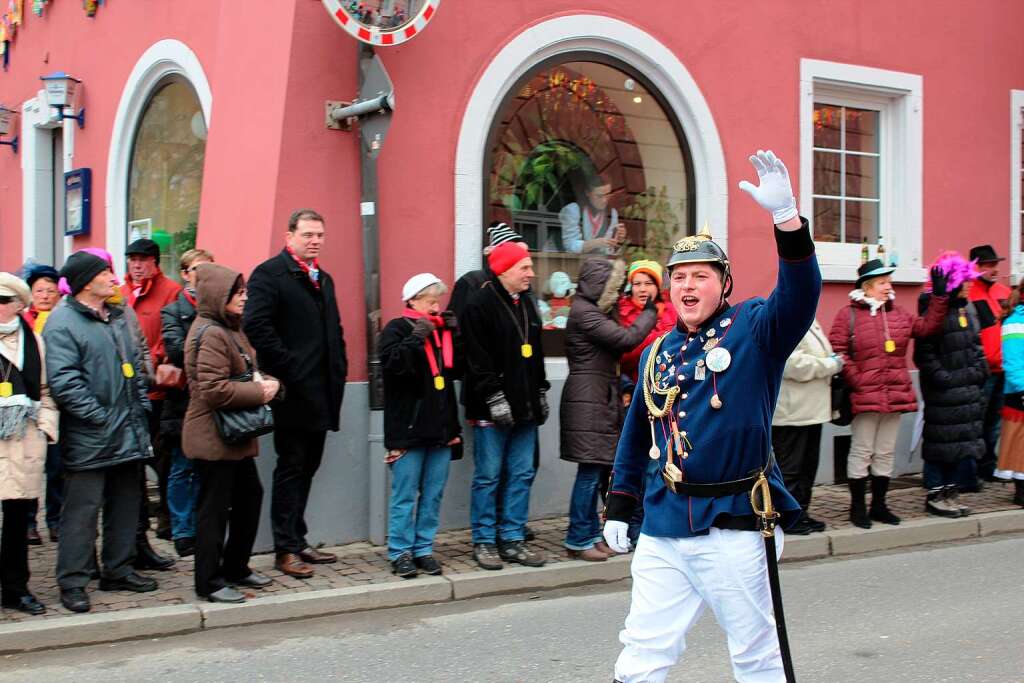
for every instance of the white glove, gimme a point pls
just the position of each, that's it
(775, 193)
(616, 536)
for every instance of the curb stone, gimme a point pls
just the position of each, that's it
(914, 532)
(810, 547)
(86, 629)
(429, 589)
(1003, 522)
(132, 624)
(524, 579)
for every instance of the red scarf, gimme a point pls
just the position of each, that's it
(189, 298)
(442, 340)
(306, 269)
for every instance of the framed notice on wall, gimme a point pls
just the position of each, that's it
(77, 201)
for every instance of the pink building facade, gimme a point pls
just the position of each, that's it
(900, 123)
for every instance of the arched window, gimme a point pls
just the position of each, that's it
(582, 150)
(166, 172)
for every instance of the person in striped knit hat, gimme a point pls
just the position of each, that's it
(1011, 445)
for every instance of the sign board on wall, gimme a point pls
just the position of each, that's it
(77, 202)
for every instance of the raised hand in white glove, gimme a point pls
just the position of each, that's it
(616, 536)
(775, 193)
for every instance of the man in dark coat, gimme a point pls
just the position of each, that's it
(95, 372)
(591, 410)
(505, 402)
(498, 233)
(292, 320)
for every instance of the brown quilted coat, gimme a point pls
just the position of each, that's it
(879, 380)
(211, 366)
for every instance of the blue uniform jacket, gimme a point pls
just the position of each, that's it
(734, 441)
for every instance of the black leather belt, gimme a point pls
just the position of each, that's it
(721, 488)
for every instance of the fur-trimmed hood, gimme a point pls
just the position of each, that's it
(600, 281)
(857, 296)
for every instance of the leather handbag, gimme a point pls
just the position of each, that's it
(169, 376)
(242, 424)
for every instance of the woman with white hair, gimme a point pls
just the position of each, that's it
(28, 422)
(421, 356)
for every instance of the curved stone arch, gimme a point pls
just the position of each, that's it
(585, 33)
(162, 59)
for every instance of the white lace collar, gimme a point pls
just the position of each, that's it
(873, 304)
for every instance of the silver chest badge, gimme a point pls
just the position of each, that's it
(718, 359)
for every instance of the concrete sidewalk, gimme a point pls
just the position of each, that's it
(361, 579)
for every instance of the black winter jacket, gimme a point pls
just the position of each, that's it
(493, 329)
(416, 413)
(103, 414)
(175, 321)
(953, 370)
(591, 411)
(296, 331)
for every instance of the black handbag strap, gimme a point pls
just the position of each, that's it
(849, 347)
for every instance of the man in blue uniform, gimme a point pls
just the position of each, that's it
(703, 408)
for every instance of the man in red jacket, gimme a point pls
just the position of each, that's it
(990, 300)
(147, 290)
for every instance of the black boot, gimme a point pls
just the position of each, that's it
(879, 511)
(147, 558)
(1018, 496)
(858, 509)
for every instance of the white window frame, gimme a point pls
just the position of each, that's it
(898, 97)
(1016, 174)
(162, 59)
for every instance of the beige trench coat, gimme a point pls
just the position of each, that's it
(22, 461)
(806, 394)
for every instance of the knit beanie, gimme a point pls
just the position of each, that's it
(499, 233)
(652, 268)
(80, 268)
(505, 256)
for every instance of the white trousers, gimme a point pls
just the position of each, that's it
(873, 444)
(674, 579)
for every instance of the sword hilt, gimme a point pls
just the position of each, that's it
(761, 502)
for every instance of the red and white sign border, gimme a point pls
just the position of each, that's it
(377, 36)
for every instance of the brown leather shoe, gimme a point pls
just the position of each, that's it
(292, 565)
(588, 555)
(314, 556)
(604, 548)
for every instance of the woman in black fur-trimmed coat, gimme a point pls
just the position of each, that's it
(953, 369)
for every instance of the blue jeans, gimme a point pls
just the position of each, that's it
(414, 508)
(182, 492)
(939, 474)
(584, 521)
(501, 458)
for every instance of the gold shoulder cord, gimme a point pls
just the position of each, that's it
(651, 385)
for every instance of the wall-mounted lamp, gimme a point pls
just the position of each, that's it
(61, 91)
(8, 123)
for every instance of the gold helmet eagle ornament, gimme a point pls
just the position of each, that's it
(700, 248)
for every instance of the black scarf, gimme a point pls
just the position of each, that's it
(27, 380)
